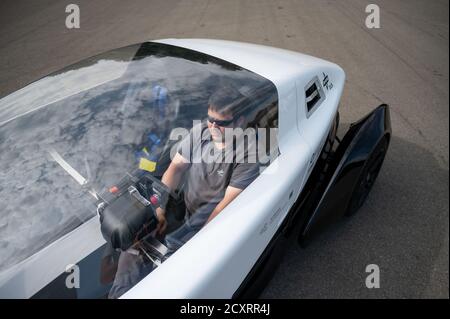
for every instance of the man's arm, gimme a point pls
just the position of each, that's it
(230, 194)
(243, 175)
(171, 178)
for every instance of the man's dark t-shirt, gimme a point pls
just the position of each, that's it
(211, 171)
(205, 187)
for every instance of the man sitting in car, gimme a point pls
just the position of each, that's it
(209, 185)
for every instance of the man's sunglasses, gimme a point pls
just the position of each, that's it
(220, 122)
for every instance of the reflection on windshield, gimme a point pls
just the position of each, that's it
(105, 118)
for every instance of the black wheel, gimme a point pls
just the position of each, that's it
(368, 176)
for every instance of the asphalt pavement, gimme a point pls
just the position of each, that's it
(404, 225)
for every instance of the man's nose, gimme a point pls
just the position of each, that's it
(212, 124)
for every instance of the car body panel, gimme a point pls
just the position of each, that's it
(21, 281)
(353, 152)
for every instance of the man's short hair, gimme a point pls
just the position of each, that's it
(226, 101)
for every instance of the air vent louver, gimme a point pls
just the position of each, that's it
(313, 94)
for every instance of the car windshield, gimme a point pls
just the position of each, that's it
(71, 135)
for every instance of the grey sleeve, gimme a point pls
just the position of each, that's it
(243, 174)
(184, 148)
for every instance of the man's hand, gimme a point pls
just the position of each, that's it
(162, 223)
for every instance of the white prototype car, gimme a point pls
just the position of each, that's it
(88, 156)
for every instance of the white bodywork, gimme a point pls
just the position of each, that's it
(216, 260)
